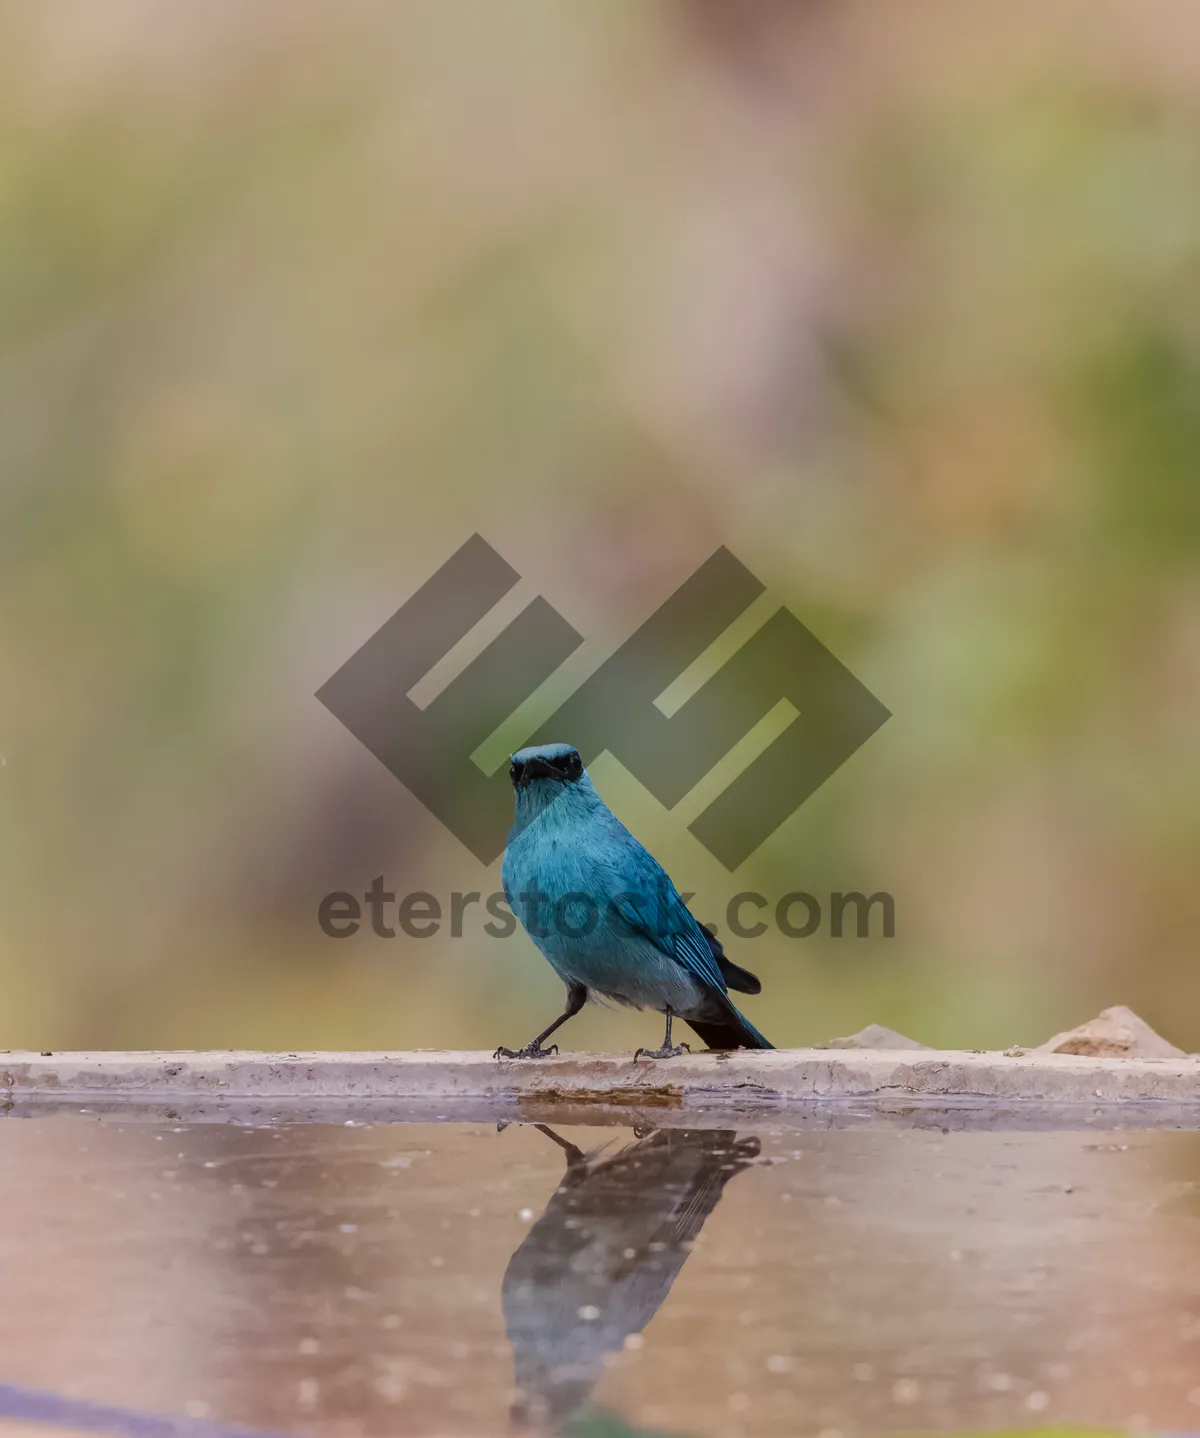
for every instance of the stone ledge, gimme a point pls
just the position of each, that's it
(780, 1078)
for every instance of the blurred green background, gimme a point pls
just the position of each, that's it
(901, 303)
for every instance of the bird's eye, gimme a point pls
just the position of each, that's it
(514, 772)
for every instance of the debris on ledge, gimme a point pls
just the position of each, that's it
(875, 1036)
(1118, 1033)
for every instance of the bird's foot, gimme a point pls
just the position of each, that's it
(530, 1051)
(663, 1053)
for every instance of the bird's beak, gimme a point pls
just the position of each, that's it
(535, 769)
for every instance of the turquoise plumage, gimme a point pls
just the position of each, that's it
(605, 913)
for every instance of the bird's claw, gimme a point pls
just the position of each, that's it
(663, 1053)
(530, 1051)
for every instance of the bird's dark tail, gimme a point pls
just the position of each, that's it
(729, 1031)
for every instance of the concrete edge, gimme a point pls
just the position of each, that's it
(737, 1080)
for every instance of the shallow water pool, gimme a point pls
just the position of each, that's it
(391, 1278)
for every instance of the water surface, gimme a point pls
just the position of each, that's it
(340, 1279)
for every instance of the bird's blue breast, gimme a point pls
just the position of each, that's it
(575, 881)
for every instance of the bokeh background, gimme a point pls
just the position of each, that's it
(898, 302)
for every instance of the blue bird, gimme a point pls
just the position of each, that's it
(605, 914)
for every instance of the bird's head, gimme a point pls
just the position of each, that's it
(550, 779)
(548, 766)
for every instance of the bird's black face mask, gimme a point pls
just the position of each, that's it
(562, 768)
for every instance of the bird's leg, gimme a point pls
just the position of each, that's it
(666, 1052)
(576, 998)
(574, 1154)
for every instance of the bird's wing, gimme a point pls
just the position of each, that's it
(693, 952)
(680, 937)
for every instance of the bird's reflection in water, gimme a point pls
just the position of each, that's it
(598, 1263)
